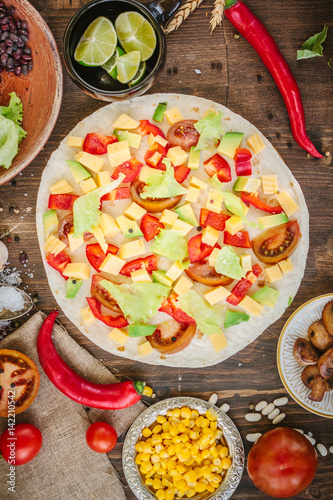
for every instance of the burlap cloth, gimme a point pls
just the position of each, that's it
(65, 468)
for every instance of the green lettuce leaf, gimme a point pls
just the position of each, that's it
(228, 263)
(171, 244)
(138, 301)
(209, 319)
(210, 130)
(163, 186)
(9, 140)
(312, 47)
(14, 112)
(236, 206)
(216, 183)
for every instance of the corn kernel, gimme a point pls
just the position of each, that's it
(174, 430)
(223, 452)
(166, 426)
(166, 482)
(181, 485)
(194, 450)
(157, 429)
(149, 481)
(205, 471)
(169, 494)
(171, 464)
(167, 442)
(199, 421)
(157, 483)
(139, 446)
(190, 493)
(211, 414)
(184, 455)
(213, 425)
(214, 451)
(170, 413)
(205, 453)
(146, 432)
(146, 448)
(217, 461)
(164, 454)
(176, 439)
(156, 439)
(147, 391)
(210, 488)
(190, 476)
(185, 412)
(179, 447)
(194, 414)
(166, 435)
(181, 469)
(155, 458)
(150, 473)
(226, 462)
(184, 438)
(164, 465)
(160, 419)
(160, 494)
(208, 432)
(176, 413)
(205, 423)
(200, 487)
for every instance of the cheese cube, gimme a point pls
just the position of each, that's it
(213, 256)
(87, 316)
(132, 249)
(255, 142)
(98, 233)
(174, 271)
(182, 226)
(152, 144)
(112, 264)
(183, 285)
(287, 203)
(125, 122)
(88, 185)
(177, 156)
(160, 140)
(286, 266)
(74, 142)
(173, 115)
(214, 201)
(192, 194)
(234, 224)
(54, 245)
(273, 273)
(79, 270)
(141, 275)
(61, 187)
(118, 153)
(119, 336)
(251, 306)
(146, 172)
(219, 341)
(168, 217)
(92, 162)
(108, 225)
(216, 295)
(103, 178)
(194, 181)
(269, 184)
(74, 243)
(210, 236)
(145, 349)
(246, 262)
(134, 211)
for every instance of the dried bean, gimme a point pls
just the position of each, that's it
(331, 449)
(253, 438)
(274, 414)
(322, 449)
(299, 430)
(213, 399)
(261, 405)
(8, 42)
(18, 70)
(279, 418)
(311, 439)
(252, 417)
(225, 407)
(268, 409)
(26, 57)
(25, 70)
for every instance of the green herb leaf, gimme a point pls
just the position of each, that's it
(312, 47)
(210, 130)
(209, 319)
(228, 263)
(163, 186)
(9, 140)
(290, 301)
(171, 244)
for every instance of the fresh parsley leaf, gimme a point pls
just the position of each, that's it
(312, 47)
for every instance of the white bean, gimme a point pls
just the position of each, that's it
(322, 449)
(299, 430)
(213, 399)
(310, 434)
(331, 449)
(281, 401)
(261, 405)
(309, 438)
(225, 407)
(253, 417)
(268, 409)
(253, 438)
(274, 414)
(279, 418)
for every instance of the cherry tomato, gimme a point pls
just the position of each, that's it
(24, 445)
(171, 337)
(96, 256)
(101, 437)
(150, 263)
(150, 226)
(62, 201)
(152, 205)
(198, 250)
(243, 162)
(146, 128)
(253, 199)
(219, 166)
(97, 144)
(113, 321)
(277, 243)
(203, 273)
(240, 239)
(212, 219)
(121, 193)
(59, 262)
(102, 295)
(171, 306)
(130, 168)
(183, 134)
(282, 463)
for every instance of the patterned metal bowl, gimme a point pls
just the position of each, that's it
(148, 417)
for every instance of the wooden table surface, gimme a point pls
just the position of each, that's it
(231, 74)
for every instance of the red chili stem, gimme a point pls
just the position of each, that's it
(103, 396)
(257, 35)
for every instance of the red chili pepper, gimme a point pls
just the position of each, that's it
(253, 199)
(257, 35)
(121, 193)
(150, 226)
(243, 162)
(146, 128)
(130, 168)
(59, 262)
(150, 263)
(113, 321)
(240, 239)
(97, 144)
(212, 219)
(62, 201)
(103, 396)
(96, 256)
(219, 166)
(239, 290)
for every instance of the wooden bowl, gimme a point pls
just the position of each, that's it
(40, 91)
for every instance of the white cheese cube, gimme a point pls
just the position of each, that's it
(145, 349)
(251, 306)
(134, 211)
(79, 270)
(54, 245)
(92, 162)
(269, 184)
(118, 153)
(141, 275)
(246, 262)
(75, 142)
(234, 224)
(61, 187)
(216, 295)
(255, 142)
(192, 194)
(132, 249)
(108, 225)
(87, 316)
(219, 341)
(168, 217)
(273, 273)
(88, 185)
(194, 181)
(210, 236)
(125, 122)
(182, 226)
(174, 271)
(74, 243)
(177, 156)
(286, 266)
(118, 336)
(287, 203)
(173, 115)
(213, 256)
(112, 264)
(98, 233)
(103, 178)
(182, 286)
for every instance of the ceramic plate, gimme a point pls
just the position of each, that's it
(290, 371)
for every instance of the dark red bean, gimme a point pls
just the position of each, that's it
(3, 58)
(13, 37)
(30, 65)
(2, 48)
(24, 24)
(27, 50)
(26, 57)
(25, 70)
(9, 50)
(8, 42)
(17, 54)
(25, 38)
(4, 35)
(10, 63)
(5, 20)
(5, 27)
(18, 70)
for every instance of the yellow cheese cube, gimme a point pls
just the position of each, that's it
(141, 275)
(87, 316)
(182, 226)
(183, 285)
(214, 201)
(160, 140)
(246, 262)
(92, 162)
(286, 266)
(216, 295)
(269, 184)
(132, 249)
(134, 211)
(108, 225)
(273, 273)
(61, 187)
(88, 185)
(251, 306)
(145, 349)
(287, 203)
(173, 115)
(146, 172)
(168, 217)
(174, 271)
(194, 181)
(192, 194)
(75, 142)
(54, 245)
(118, 153)
(234, 224)
(213, 256)
(152, 144)
(79, 270)
(210, 236)
(219, 341)
(112, 264)
(177, 156)
(255, 142)
(125, 122)
(74, 243)
(103, 178)
(119, 336)
(98, 233)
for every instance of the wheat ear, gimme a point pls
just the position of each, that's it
(217, 14)
(182, 14)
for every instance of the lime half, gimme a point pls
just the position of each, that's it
(127, 66)
(139, 74)
(110, 66)
(136, 33)
(97, 44)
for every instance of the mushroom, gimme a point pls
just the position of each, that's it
(325, 364)
(329, 384)
(319, 336)
(312, 379)
(327, 317)
(305, 353)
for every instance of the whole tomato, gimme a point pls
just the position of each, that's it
(101, 437)
(20, 444)
(282, 463)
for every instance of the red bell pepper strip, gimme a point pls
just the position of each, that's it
(150, 226)
(239, 290)
(121, 193)
(154, 159)
(257, 35)
(62, 201)
(254, 200)
(212, 219)
(219, 166)
(113, 321)
(103, 396)
(170, 306)
(240, 239)
(198, 250)
(97, 144)
(243, 162)
(150, 263)
(181, 173)
(130, 168)
(146, 128)
(59, 262)
(96, 256)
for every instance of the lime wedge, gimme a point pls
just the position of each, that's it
(110, 65)
(139, 74)
(136, 33)
(97, 44)
(127, 66)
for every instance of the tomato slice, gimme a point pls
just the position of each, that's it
(97, 144)
(239, 290)
(66, 226)
(16, 368)
(146, 128)
(150, 263)
(203, 273)
(243, 162)
(198, 250)
(277, 243)
(183, 134)
(121, 193)
(59, 262)
(212, 219)
(240, 239)
(102, 295)
(171, 306)
(171, 337)
(62, 201)
(150, 226)
(112, 321)
(219, 166)
(152, 205)
(96, 256)
(254, 200)
(181, 173)
(130, 168)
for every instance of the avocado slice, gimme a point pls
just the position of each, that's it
(134, 140)
(50, 220)
(141, 330)
(194, 159)
(73, 286)
(272, 220)
(129, 228)
(266, 296)
(161, 278)
(233, 318)
(185, 213)
(247, 184)
(78, 171)
(229, 143)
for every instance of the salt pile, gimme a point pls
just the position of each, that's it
(10, 299)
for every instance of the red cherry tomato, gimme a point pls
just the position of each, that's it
(277, 243)
(113, 321)
(219, 166)
(130, 168)
(150, 263)
(172, 337)
(101, 437)
(282, 463)
(96, 256)
(20, 444)
(97, 144)
(183, 134)
(59, 262)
